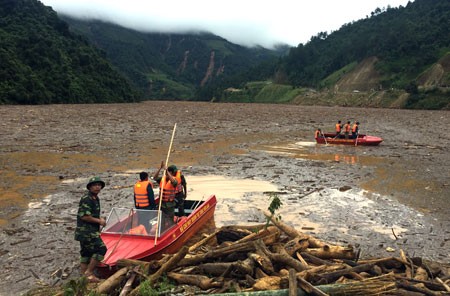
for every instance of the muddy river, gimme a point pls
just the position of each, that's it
(380, 199)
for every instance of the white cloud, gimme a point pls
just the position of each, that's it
(246, 22)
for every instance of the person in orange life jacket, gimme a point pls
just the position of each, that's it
(144, 197)
(355, 130)
(168, 184)
(338, 128)
(318, 133)
(347, 129)
(181, 192)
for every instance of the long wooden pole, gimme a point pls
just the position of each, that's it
(161, 189)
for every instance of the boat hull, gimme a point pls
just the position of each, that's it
(146, 248)
(363, 140)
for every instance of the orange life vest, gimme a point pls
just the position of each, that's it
(338, 127)
(354, 128)
(169, 191)
(347, 127)
(141, 193)
(179, 187)
(140, 229)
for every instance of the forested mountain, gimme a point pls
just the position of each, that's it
(42, 62)
(171, 66)
(399, 55)
(405, 40)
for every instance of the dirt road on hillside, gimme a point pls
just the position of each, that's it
(345, 195)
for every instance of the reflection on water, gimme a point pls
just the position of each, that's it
(201, 187)
(303, 150)
(238, 201)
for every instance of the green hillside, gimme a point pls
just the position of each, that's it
(402, 51)
(42, 62)
(170, 66)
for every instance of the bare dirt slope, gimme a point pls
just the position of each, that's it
(363, 78)
(346, 195)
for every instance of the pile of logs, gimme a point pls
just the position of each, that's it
(277, 260)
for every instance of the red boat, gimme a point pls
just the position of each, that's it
(135, 234)
(362, 140)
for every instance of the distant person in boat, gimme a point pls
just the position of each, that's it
(347, 128)
(87, 231)
(338, 128)
(144, 197)
(355, 130)
(318, 133)
(168, 185)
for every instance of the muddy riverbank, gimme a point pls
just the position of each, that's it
(382, 199)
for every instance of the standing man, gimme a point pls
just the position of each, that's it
(168, 184)
(181, 190)
(338, 128)
(347, 128)
(355, 130)
(87, 231)
(144, 197)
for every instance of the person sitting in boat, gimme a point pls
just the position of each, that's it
(347, 128)
(140, 229)
(338, 128)
(355, 129)
(318, 133)
(168, 186)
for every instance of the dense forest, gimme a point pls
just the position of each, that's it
(42, 62)
(396, 58)
(171, 66)
(406, 40)
(409, 48)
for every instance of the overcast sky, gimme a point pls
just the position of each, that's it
(245, 22)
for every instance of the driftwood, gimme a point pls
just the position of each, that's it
(200, 281)
(332, 252)
(112, 282)
(292, 282)
(279, 261)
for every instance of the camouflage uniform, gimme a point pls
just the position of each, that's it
(88, 234)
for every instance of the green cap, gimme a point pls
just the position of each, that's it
(172, 168)
(95, 180)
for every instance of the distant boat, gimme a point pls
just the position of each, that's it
(130, 233)
(363, 140)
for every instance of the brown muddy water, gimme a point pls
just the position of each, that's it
(379, 199)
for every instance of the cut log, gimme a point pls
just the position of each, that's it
(268, 238)
(310, 289)
(333, 252)
(128, 285)
(169, 265)
(202, 242)
(333, 276)
(143, 266)
(201, 281)
(315, 260)
(261, 259)
(267, 283)
(296, 245)
(292, 282)
(283, 257)
(112, 282)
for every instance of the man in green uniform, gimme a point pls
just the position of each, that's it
(87, 231)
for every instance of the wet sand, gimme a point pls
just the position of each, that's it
(394, 196)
